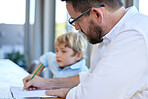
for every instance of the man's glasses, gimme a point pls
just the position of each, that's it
(72, 21)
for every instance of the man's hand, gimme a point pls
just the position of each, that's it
(36, 83)
(58, 92)
(54, 83)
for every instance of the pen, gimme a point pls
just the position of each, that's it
(35, 73)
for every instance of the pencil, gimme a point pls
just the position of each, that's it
(36, 71)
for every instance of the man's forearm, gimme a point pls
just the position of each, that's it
(62, 82)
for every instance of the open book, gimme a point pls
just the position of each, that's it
(19, 92)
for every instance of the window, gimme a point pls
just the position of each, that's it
(12, 19)
(143, 6)
(61, 17)
(32, 12)
(12, 11)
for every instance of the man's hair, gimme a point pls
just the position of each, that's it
(83, 5)
(76, 41)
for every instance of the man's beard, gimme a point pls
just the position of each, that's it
(94, 34)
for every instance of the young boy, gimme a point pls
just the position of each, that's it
(69, 58)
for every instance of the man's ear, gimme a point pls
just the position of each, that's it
(98, 14)
(78, 56)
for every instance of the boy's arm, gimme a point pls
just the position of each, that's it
(40, 70)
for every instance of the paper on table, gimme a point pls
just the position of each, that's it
(19, 92)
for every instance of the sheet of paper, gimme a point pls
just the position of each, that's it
(19, 92)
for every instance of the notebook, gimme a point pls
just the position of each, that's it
(17, 92)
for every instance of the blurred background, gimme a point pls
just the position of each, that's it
(28, 28)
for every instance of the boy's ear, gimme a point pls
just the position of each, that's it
(78, 56)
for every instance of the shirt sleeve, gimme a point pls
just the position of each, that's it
(46, 58)
(43, 59)
(123, 65)
(83, 76)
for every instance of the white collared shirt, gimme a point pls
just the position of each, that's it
(119, 65)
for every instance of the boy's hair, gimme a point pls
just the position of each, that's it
(75, 41)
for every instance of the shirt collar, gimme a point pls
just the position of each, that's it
(115, 30)
(78, 64)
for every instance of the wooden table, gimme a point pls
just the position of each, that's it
(11, 75)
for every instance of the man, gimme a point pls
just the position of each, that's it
(119, 62)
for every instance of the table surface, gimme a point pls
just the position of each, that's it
(11, 75)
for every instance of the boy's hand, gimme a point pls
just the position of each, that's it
(58, 92)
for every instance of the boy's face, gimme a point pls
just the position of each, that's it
(64, 56)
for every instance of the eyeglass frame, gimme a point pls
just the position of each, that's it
(71, 22)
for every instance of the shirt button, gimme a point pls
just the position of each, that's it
(105, 45)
